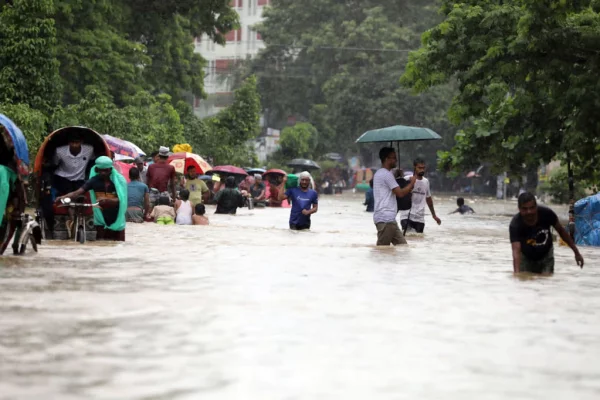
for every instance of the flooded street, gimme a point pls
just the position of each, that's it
(246, 309)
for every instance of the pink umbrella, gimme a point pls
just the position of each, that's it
(228, 169)
(122, 147)
(275, 171)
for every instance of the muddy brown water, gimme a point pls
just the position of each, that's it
(246, 309)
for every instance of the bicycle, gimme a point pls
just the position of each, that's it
(24, 231)
(80, 219)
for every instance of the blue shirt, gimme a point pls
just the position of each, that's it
(135, 194)
(301, 201)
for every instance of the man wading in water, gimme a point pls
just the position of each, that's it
(385, 191)
(305, 202)
(531, 239)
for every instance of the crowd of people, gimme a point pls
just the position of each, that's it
(397, 200)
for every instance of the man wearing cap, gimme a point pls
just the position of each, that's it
(109, 189)
(305, 202)
(161, 177)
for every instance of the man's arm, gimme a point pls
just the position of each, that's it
(313, 210)
(516, 252)
(568, 240)
(281, 195)
(71, 195)
(401, 192)
(430, 204)
(147, 203)
(172, 183)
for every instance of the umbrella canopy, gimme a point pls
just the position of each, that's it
(182, 161)
(275, 172)
(303, 164)
(253, 171)
(205, 178)
(228, 169)
(398, 133)
(334, 156)
(122, 147)
(14, 138)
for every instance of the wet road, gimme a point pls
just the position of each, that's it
(245, 309)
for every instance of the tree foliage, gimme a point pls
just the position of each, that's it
(120, 67)
(337, 66)
(28, 66)
(299, 140)
(527, 75)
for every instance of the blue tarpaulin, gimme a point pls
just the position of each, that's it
(587, 221)
(18, 139)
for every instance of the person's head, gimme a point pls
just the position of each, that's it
(257, 178)
(398, 173)
(388, 158)
(200, 209)
(419, 165)
(191, 171)
(460, 202)
(163, 201)
(304, 178)
(371, 183)
(528, 208)
(139, 163)
(163, 154)
(184, 195)
(104, 166)
(154, 156)
(230, 182)
(134, 174)
(75, 142)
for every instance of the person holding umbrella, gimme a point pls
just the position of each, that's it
(305, 202)
(199, 192)
(385, 191)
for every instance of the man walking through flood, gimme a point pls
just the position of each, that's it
(385, 191)
(531, 238)
(415, 217)
(305, 202)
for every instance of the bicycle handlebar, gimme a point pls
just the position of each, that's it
(80, 205)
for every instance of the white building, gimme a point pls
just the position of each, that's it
(241, 43)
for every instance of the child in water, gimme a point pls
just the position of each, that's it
(198, 218)
(462, 208)
(183, 208)
(163, 213)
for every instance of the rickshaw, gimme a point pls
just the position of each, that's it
(54, 217)
(14, 167)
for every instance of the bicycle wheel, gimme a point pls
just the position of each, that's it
(80, 234)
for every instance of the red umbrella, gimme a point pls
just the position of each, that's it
(275, 171)
(182, 161)
(228, 169)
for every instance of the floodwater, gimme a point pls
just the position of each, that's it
(246, 309)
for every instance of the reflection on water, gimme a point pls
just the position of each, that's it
(246, 309)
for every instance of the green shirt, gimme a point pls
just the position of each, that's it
(197, 188)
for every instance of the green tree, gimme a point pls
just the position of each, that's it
(527, 75)
(298, 141)
(31, 122)
(337, 65)
(28, 66)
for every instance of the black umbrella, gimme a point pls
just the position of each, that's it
(303, 164)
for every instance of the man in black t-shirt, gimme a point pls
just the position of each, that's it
(531, 238)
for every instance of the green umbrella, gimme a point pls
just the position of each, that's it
(398, 133)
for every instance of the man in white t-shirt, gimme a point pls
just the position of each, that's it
(421, 195)
(385, 191)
